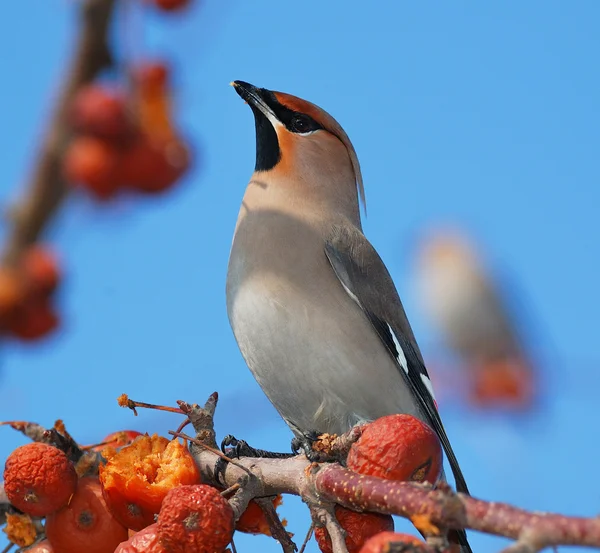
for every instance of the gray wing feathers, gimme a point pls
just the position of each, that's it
(364, 275)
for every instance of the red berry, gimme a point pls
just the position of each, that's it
(144, 541)
(359, 528)
(33, 319)
(397, 447)
(153, 166)
(169, 5)
(39, 478)
(390, 542)
(41, 269)
(195, 518)
(92, 163)
(99, 111)
(85, 524)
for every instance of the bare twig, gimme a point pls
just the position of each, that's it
(216, 452)
(202, 418)
(326, 517)
(309, 534)
(278, 531)
(47, 188)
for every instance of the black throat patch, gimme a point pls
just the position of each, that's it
(268, 152)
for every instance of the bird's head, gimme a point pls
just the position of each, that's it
(299, 140)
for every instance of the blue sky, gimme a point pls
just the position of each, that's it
(484, 115)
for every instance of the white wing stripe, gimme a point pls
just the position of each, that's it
(428, 385)
(401, 358)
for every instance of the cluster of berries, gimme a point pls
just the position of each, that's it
(137, 493)
(126, 139)
(122, 138)
(26, 292)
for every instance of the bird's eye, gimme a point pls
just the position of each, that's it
(300, 123)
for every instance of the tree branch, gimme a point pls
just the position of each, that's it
(47, 188)
(322, 485)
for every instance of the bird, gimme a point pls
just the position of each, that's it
(312, 306)
(476, 318)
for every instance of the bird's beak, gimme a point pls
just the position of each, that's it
(254, 96)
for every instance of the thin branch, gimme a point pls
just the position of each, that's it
(326, 517)
(309, 534)
(47, 188)
(278, 531)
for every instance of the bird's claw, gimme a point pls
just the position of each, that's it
(234, 449)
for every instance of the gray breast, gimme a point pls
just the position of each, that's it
(308, 344)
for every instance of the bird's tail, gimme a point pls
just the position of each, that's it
(458, 538)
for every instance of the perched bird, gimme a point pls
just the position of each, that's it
(476, 319)
(313, 308)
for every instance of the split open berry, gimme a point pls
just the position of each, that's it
(395, 542)
(20, 529)
(195, 519)
(397, 447)
(39, 478)
(253, 519)
(136, 479)
(359, 528)
(85, 524)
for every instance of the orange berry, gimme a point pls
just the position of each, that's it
(39, 478)
(153, 166)
(43, 546)
(136, 479)
(12, 292)
(41, 269)
(33, 319)
(99, 111)
(397, 447)
(144, 541)
(152, 74)
(253, 520)
(388, 542)
(92, 163)
(503, 382)
(359, 528)
(85, 524)
(195, 518)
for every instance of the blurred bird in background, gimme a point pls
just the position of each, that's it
(465, 302)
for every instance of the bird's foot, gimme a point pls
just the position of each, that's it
(316, 447)
(234, 448)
